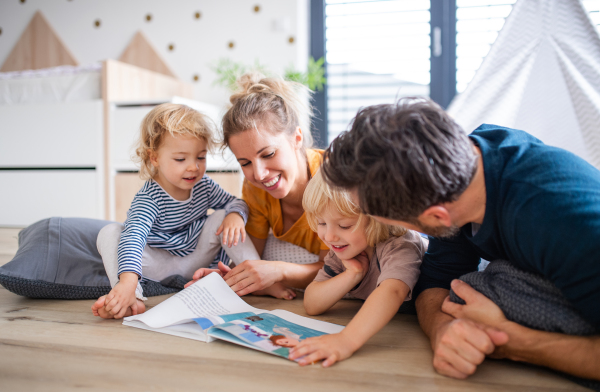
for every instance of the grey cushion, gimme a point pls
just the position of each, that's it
(57, 258)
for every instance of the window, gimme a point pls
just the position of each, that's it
(593, 8)
(380, 50)
(377, 51)
(477, 26)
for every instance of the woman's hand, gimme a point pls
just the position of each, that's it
(332, 348)
(232, 227)
(253, 275)
(202, 272)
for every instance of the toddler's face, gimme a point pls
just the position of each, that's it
(344, 235)
(180, 163)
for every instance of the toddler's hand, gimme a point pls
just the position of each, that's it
(359, 265)
(332, 348)
(122, 296)
(232, 227)
(202, 272)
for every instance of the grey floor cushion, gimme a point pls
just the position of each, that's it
(57, 258)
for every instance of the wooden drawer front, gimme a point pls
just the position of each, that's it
(30, 195)
(51, 135)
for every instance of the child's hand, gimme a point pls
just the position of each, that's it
(232, 226)
(359, 265)
(202, 272)
(331, 348)
(122, 296)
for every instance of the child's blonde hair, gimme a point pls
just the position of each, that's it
(176, 120)
(319, 196)
(276, 104)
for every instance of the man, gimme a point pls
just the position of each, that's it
(497, 194)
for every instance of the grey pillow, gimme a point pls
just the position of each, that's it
(57, 258)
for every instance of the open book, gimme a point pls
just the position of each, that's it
(209, 310)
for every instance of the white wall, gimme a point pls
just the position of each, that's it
(198, 42)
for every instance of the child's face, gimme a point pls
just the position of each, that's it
(344, 235)
(270, 161)
(180, 163)
(287, 342)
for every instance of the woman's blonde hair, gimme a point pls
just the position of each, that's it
(176, 120)
(270, 102)
(319, 196)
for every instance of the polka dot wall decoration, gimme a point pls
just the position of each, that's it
(171, 47)
(0, 31)
(22, 1)
(196, 78)
(257, 8)
(291, 40)
(97, 23)
(148, 17)
(231, 44)
(197, 15)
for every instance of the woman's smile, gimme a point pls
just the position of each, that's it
(271, 183)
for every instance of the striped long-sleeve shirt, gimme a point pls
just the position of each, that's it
(157, 219)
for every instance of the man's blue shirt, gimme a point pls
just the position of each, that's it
(542, 214)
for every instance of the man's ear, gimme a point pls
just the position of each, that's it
(435, 216)
(153, 157)
(298, 138)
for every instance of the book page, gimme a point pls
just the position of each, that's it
(318, 325)
(268, 332)
(209, 296)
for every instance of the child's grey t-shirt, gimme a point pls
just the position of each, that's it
(396, 258)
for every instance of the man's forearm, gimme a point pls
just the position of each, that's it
(576, 355)
(429, 311)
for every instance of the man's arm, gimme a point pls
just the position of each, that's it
(459, 345)
(576, 355)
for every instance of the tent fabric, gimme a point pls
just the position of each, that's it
(542, 75)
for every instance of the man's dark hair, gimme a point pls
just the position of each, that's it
(402, 158)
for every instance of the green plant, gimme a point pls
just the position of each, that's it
(228, 71)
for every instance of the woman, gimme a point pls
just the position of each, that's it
(267, 130)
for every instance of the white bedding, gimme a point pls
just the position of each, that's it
(58, 84)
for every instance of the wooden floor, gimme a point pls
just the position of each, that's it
(57, 345)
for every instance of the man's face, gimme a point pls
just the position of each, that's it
(440, 230)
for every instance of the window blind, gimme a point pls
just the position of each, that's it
(377, 51)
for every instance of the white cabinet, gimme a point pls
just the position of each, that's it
(31, 195)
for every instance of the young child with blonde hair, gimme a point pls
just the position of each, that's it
(368, 260)
(168, 231)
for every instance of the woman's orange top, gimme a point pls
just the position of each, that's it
(265, 213)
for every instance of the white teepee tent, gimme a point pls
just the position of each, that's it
(542, 75)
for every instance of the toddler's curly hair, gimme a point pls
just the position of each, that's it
(177, 120)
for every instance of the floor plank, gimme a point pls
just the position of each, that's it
(59, 345)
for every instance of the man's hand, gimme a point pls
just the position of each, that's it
(461, 345)
(478, 307)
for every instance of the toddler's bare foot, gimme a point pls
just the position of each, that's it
(277, 290)
(99, 310)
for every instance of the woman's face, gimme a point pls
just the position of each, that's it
(272, 162)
